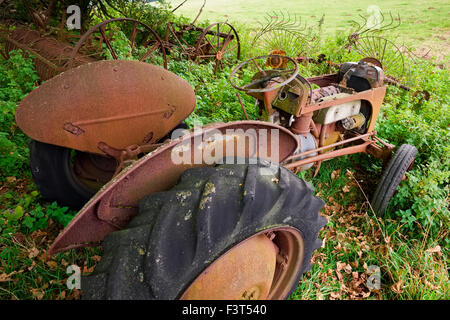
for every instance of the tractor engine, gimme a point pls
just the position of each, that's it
(329, 125)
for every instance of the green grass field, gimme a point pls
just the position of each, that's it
(424, 24)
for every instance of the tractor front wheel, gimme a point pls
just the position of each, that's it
(224, 232)
(394, 173)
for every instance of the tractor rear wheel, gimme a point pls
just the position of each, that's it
(224, 232)
(394, 174)
(67, 176)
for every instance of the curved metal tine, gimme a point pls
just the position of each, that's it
(363, 48)
(392, 25)
(363, 26)
(108, 44)
(384, 50)
(371, 48)
(380, 28)
(374, 45)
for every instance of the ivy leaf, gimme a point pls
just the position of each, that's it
(28, 222)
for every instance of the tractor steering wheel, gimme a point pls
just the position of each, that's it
(267, 74)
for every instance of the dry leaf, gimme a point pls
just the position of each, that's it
(88, 270)
(7, 277)
(397, 287)
(52, 264)
(18, 237)
(335, 296)
(11, 179)
(33, 253)
(436, 249)
(37, 293)
(96, 258)
(75, 295)
(335, 174)
(33, 264)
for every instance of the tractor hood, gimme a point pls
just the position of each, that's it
(118, 103)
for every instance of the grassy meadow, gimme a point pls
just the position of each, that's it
(424, 24)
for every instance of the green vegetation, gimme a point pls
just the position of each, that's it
(410, 245)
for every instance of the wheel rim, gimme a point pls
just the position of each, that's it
(156, 42)
(220, 42)
(263, 266)
(92, 171)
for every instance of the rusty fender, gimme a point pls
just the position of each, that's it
(117, 202)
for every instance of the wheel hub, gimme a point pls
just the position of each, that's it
(244, 272)
(264, 266)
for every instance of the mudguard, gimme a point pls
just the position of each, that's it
(118, 103)
(117, 202)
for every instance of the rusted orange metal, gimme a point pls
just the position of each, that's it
(51, 55)
(245, 272)
(373, 96)
(116, 203)
(117, 103)
(262, 267)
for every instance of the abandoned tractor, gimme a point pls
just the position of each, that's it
(212, 213)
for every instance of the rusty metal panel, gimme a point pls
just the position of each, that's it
(116, 102)
(116, 203)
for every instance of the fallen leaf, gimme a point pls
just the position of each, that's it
(397, 287)
(96, 258)
(88, 270)
(33, 253)
(11, 179)
(75, 295)
(52, 264)
(335, 296)
(436, 249)
(335, 174)
(61, 296)
(4, 277)
(33, 264)
(37, 293)
(18, 237)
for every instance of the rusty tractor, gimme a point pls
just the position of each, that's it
(211, 213)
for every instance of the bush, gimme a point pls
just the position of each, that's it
(17, 78)
(409, 118)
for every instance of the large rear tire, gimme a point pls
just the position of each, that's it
(53, 172)
(212, 213)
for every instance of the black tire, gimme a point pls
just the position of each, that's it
(53, 175)
(397, 166)
(179, 233)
